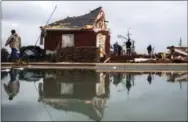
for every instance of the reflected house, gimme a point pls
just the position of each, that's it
(177, 77)
(79, 91)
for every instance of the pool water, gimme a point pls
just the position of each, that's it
(87, 95)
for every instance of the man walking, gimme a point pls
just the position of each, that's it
(14, 41)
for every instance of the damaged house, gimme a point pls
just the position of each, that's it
(78, 39)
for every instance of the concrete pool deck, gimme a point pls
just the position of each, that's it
(104, 67)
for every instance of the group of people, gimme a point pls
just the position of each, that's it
(128, 49)
(127, 46)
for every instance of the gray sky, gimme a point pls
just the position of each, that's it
(160, 23)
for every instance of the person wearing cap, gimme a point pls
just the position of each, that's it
(14, 41)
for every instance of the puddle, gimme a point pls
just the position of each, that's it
(87, 95)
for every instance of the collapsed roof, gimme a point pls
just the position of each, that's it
(77, 22)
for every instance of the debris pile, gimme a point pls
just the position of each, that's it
(121, 59)
(78, 54)
(32, 53)
(156, 61)
(4, 55)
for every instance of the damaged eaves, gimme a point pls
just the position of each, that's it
(84, 21)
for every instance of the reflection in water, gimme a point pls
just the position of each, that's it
(128, 82)
(177, 77)
(81, 91)
(13, 86)
(31, 75)
(119, 78)
(181, 77)
(26, 74)
(149, 78)
(84, 92)
(3, 75)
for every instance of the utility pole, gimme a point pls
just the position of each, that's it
(128, 34)
(180, 43)
(133, 47)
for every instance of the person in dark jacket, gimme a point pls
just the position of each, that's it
(128, 46)
(149, 49)
(116, 48)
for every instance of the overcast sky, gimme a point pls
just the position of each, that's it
(158, 23)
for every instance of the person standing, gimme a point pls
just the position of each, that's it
(14, 41)
(128, 46)
(149, 49)
(116, 48)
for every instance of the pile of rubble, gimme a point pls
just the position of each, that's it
(4, 55)
(32, 53)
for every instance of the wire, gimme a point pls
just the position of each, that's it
(46, 24)
(44, 105)
(51, 15)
